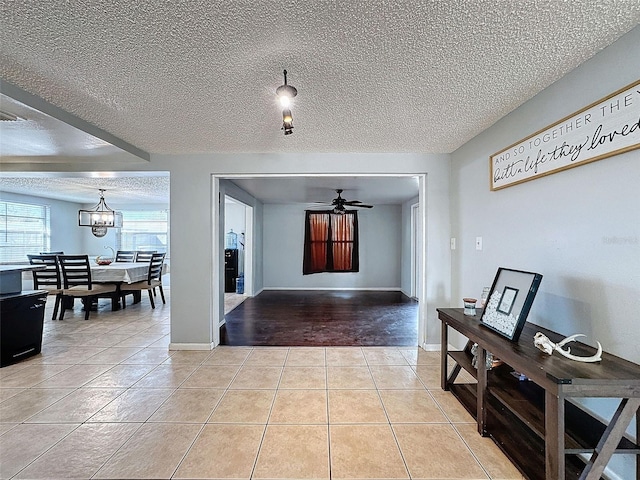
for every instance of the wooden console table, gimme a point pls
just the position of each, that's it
(534, 421)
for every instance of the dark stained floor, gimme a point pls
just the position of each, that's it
(323, 318)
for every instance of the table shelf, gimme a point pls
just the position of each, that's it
(514, 412)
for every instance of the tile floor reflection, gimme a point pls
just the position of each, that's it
(107, 399)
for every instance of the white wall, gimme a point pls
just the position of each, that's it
(195, 270)
(561, 225)
(580, 228)
(380, 251)
(232, 190)
(234, 218)
(406, 267)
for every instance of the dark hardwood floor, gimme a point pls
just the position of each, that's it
(323, 318)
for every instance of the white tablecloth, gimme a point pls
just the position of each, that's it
(127, 272)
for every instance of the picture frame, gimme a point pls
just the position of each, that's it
(505, 305)
(509, 301)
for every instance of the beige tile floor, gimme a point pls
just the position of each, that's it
(107, 399)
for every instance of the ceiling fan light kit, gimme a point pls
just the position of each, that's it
(285, 94)
(100, 218)
(340, 203)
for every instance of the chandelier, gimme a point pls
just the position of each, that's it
(100, 217)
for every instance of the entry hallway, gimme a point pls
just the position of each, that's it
(106, 399)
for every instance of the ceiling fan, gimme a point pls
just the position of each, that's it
(340, 203)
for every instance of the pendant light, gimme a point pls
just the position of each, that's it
(285, 94)
(100, 217)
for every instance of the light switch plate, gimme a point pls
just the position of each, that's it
(478, 243)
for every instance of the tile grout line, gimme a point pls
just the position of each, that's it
(393, 432)
(326, 387)
(206, 421)
(145, 422)
(273, 401)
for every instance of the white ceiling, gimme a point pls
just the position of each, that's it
(372, 75)
(124, 188)
(200, 77)
(152, 188)
(375, 190)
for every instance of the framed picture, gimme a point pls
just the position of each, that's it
(505, 304)
(509, 301)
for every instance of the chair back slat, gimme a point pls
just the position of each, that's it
(144, 256)
(50, 276)
(155, 267)
(125, 256)
(76, 270)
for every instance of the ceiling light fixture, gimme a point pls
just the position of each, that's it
(100, 217)
(8, 117)
(339, 210)
(285, 95)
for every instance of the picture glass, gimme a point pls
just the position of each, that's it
(505, 305)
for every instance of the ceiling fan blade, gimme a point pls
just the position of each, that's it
(362, 205)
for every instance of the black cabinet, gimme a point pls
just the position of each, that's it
(21, 323)
(233, 268)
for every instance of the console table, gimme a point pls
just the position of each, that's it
(534, 419)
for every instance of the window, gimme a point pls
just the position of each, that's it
(331, 242)
(146, 230)
(24, 229)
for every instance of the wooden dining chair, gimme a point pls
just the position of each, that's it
(154, 279)
(76, 276)
(51, 253)
(144, 256)
(48, 279)
(125, 256)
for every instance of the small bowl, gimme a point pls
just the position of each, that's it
(104, 261)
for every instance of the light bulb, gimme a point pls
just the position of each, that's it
(285, 101)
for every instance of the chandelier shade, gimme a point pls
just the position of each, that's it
(100, 217)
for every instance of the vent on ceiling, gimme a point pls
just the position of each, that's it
(9, 117)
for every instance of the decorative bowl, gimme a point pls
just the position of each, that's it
(103, 260)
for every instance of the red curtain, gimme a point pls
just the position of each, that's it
(342, 239)
(319, 225)
(331, 242)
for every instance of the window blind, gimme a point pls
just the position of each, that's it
(24, 229)
(145, 230)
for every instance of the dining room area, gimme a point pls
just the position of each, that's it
(79, 259)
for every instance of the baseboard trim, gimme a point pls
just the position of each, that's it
(431, 347)
(313, 289)
(191, 346)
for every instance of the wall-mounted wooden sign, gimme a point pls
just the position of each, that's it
(605, 128)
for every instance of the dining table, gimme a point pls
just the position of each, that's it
(122, 272)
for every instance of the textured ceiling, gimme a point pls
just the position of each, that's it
(135, 188)
(375, 190)
(34, 135)
(372, 75)
(130, 188)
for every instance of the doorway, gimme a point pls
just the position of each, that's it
(415, 251)
(238, 255)
(260, 190)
